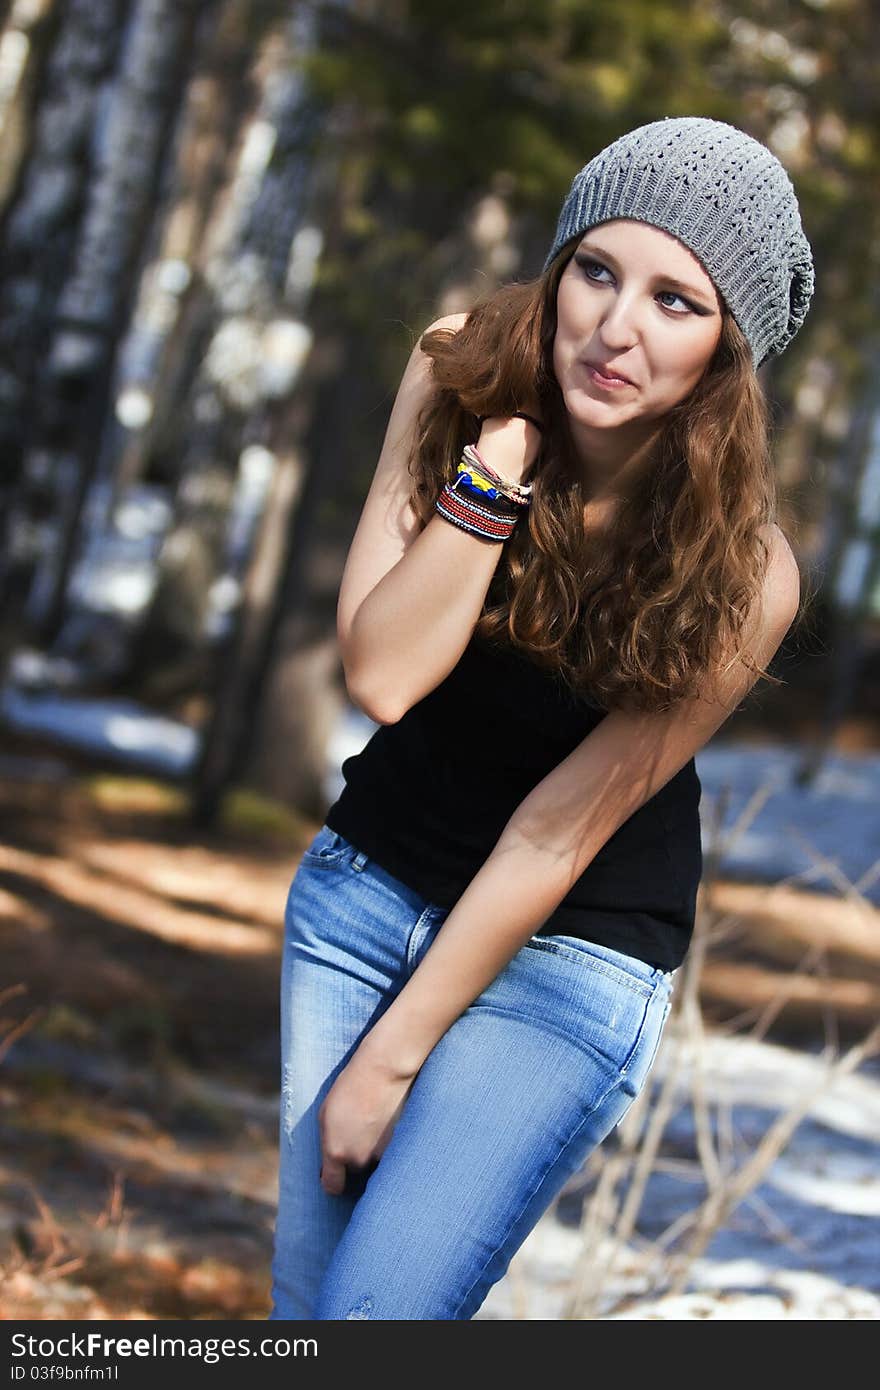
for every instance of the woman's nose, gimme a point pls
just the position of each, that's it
(618, 325)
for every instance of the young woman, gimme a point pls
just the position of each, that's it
(482, 940)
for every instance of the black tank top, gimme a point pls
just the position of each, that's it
(429, 796)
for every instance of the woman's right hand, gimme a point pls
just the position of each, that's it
(510, 444)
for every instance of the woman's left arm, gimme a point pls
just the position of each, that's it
(554, 834)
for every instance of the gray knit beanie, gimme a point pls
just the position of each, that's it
(726, 197)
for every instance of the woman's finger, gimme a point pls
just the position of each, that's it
(333, 1176)
(356, 1178)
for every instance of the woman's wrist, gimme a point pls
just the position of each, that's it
(510, 443)
(382, 1052)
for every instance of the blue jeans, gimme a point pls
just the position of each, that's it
(505, 1108)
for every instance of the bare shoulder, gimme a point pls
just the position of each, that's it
(453, 321)
(782, 582)
(418, 381)
(776, 539)
(418, 373)
(771, 614)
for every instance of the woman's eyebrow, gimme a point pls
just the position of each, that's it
(681, 285)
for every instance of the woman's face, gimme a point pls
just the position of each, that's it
(636, 303)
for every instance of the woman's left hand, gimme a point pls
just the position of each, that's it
(356, 1119)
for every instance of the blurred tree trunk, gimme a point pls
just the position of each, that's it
(301, 695)
(111, 127)
(297, 203)
(66, 72)
(33, 25)
(188, 437)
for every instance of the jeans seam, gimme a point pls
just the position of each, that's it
(624, 1071)
(428, 913)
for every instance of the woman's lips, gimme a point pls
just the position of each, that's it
(608, 383)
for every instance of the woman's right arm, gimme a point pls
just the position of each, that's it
(410, 599)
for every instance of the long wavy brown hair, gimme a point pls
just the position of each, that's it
(636, 615)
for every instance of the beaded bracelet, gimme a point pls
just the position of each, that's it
(475, 483)
(465, 513)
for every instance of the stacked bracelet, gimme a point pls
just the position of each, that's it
(478, 476)
(467, 514)
(482, 500)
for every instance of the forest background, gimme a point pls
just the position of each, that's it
(223, 225)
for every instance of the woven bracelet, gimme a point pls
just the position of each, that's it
(514, 492)
(466, 513)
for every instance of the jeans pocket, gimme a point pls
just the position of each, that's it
(629, 971)
(328, 849)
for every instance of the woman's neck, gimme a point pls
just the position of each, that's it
(611, 461)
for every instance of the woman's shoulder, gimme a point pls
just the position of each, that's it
(777, 542)
(783, 565)
(454, 321)
(779, 597)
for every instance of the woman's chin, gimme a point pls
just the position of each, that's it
(586, 411)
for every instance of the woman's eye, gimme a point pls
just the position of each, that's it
(672, 295)
(588, 265)
(594, 270)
